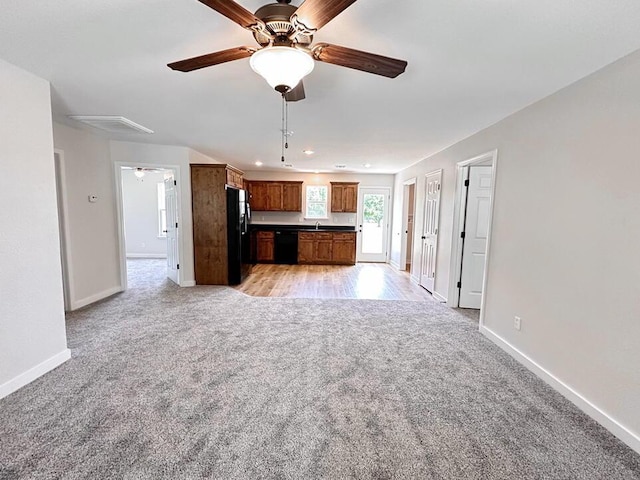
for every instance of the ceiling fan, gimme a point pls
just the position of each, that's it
(285, 55)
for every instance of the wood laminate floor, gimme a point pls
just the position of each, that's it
(363, 280)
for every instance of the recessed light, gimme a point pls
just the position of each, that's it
(308, 152)
(367, 165)
(258, 163)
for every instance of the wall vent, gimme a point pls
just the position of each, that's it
(341, 166)
(110, 123)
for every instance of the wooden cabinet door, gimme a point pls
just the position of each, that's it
(305, 247)
(265, 246)
(258, 196)
(336, 198)
(350, 198)
(323, 247)
(344, 248)
(274, 197)
(292, 197)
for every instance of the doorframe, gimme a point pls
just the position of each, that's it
(63, 215)
(488, 158)
(360, 216)
(405, 222)
(120, 215)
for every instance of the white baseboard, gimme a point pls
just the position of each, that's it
(146, 255)
(632, 439)
(395, 265)
(33, 373)
(439, 297)
(94, 298)
(415, 279)
(188, 283)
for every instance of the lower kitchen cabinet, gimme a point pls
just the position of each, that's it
(265, 247)
(326, 248)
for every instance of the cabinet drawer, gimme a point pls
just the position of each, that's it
(306, 236)
(349, 237)
(266, 235)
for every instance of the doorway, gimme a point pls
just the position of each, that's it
(431, 226)
(148, 220)
(373, 224)
(473, 211)
(408, 226)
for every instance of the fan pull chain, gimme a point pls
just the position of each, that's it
(283, 126)
(286, 122)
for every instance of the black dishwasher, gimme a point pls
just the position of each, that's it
(286, 247)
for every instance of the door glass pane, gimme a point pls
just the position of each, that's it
(373, 221)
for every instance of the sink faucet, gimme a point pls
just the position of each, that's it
(317, 225)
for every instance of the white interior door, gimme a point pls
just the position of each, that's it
(476, 228)
(373, 221)
(430, 230)
(171, 209)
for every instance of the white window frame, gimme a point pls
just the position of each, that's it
(162, 212)
(306, 201)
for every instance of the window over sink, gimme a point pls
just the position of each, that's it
(316, 200)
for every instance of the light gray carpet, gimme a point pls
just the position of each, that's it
(169, 383)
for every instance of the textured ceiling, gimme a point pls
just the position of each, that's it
(471, 63)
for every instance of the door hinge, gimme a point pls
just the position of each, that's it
(459, 284)
(466, 183)
(176, 224)
(178, 267)
(438, 187)
(462, 234)
(175, 183)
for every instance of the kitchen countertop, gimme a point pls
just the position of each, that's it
(297, 228)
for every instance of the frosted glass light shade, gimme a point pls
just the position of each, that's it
(282, 66)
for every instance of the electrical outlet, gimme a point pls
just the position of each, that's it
(517, 323)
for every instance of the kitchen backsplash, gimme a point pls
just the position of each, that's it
(297, 218)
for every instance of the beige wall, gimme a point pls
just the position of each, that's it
(93, 263)
(32, 328)
(566, 230)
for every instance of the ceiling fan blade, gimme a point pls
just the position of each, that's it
(234, 12)
(367, 62)
(296, 93)
(315, 14)
(210, 59)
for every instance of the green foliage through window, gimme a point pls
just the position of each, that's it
(316, 196)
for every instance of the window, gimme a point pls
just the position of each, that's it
(316, 201)
(162, 213)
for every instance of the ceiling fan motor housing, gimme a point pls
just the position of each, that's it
(277, 18)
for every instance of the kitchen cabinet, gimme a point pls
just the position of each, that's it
(268, 196)
(344, 197)
(344, 248)
(265, 246)
(235, 177)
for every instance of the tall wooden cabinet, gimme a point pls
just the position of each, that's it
(209, 208)
(344, 197)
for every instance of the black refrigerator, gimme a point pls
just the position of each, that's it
(238, 238)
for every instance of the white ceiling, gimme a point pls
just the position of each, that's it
(471, 63)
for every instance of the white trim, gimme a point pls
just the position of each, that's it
(456, 246)
(415, 279)
(632, 439)
(33, 373)
(120, 215)
(395, 265)
(96, 298)
(146, 255)
(67, 264)
(439, 172)
(188, 283)
(438, 297)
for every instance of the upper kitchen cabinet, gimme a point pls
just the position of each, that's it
(234, 177)
(344, 197)
(268, 196)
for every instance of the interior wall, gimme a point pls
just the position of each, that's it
(140, 211)
(93, 233)
(566, 229)
(32, 326)
(297, 218)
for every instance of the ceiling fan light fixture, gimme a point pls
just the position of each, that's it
(138, 172)
(282, 67)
